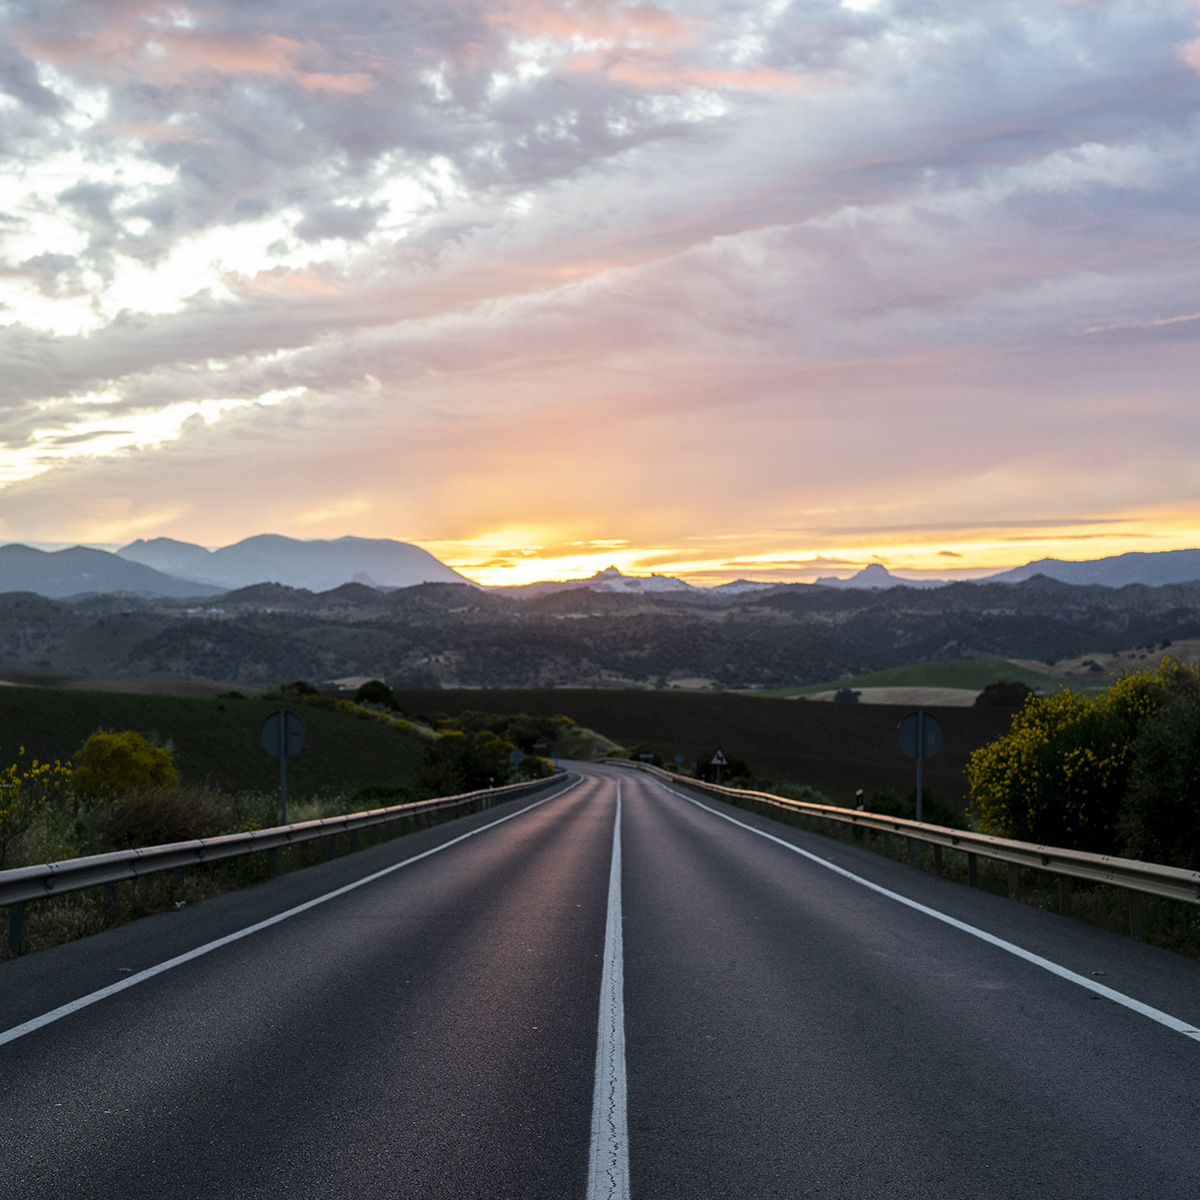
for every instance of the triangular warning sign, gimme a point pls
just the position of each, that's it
(719, 760)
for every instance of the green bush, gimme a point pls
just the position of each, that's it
(935, 808)
(1060, 776)
(376, 692)
(114, 764)
(1160, 818)
(464, 762)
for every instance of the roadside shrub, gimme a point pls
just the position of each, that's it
(935, 808)
(464, 762)
(1160, 819)
(298, 687)
(792, 791)
(24, 793)
(113, 764)
(159, 816)
(1060, 775)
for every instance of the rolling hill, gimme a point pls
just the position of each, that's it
(216, 740)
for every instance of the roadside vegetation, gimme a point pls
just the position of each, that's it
(119, 789)
(1117, 773)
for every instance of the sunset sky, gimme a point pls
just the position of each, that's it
(770, 290)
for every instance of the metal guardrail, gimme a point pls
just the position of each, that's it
(22, 884)
(1138, 878)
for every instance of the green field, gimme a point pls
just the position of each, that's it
(216, 741)
(971, 674)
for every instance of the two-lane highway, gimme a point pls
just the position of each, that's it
(539, 1009)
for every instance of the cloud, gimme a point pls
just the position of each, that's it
(888, 272)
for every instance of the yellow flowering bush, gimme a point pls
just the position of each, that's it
(1059, 776)
(24, 791)
(115, 764)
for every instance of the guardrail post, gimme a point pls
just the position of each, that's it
(937, 857)
(353, 840)
(1014, 881)
(110, 901)
(16, 928)
(391, 830)
(914, 851)
(972, 869)
(1064, 895)
(1137, 916)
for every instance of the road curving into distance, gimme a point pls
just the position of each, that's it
(536, 1002)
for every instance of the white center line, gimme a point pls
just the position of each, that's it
(608, 1159)
(65, 1010)
(1145, 1010)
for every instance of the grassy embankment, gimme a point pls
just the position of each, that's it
(216, 741)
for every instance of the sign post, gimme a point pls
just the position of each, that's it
(516, 757)
(282, 736)
(719, 760)
(920, 737)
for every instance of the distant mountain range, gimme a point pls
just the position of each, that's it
(164, 567)
(79, 571)
(1155, 569)
(316, 565)
(172, 569)
(612, 580)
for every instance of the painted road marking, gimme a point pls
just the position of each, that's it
(65, 1010)
(1046, 964)
(608, 1157)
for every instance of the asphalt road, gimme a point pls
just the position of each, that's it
(784, 1030)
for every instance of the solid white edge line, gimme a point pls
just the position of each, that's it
(608, 1155)
(65, 1010)
(1046, 964)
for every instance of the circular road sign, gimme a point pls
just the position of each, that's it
(282, 734)
(517, 757)
(679, 759)
(920, 727)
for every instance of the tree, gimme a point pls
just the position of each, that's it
(1003, 694)
(114, 764)
(374, 691)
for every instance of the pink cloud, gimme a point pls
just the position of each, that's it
(1190, 53)
(622, 25)
(156, 131)
(641, 46)
(179, 56)
(662, 75)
